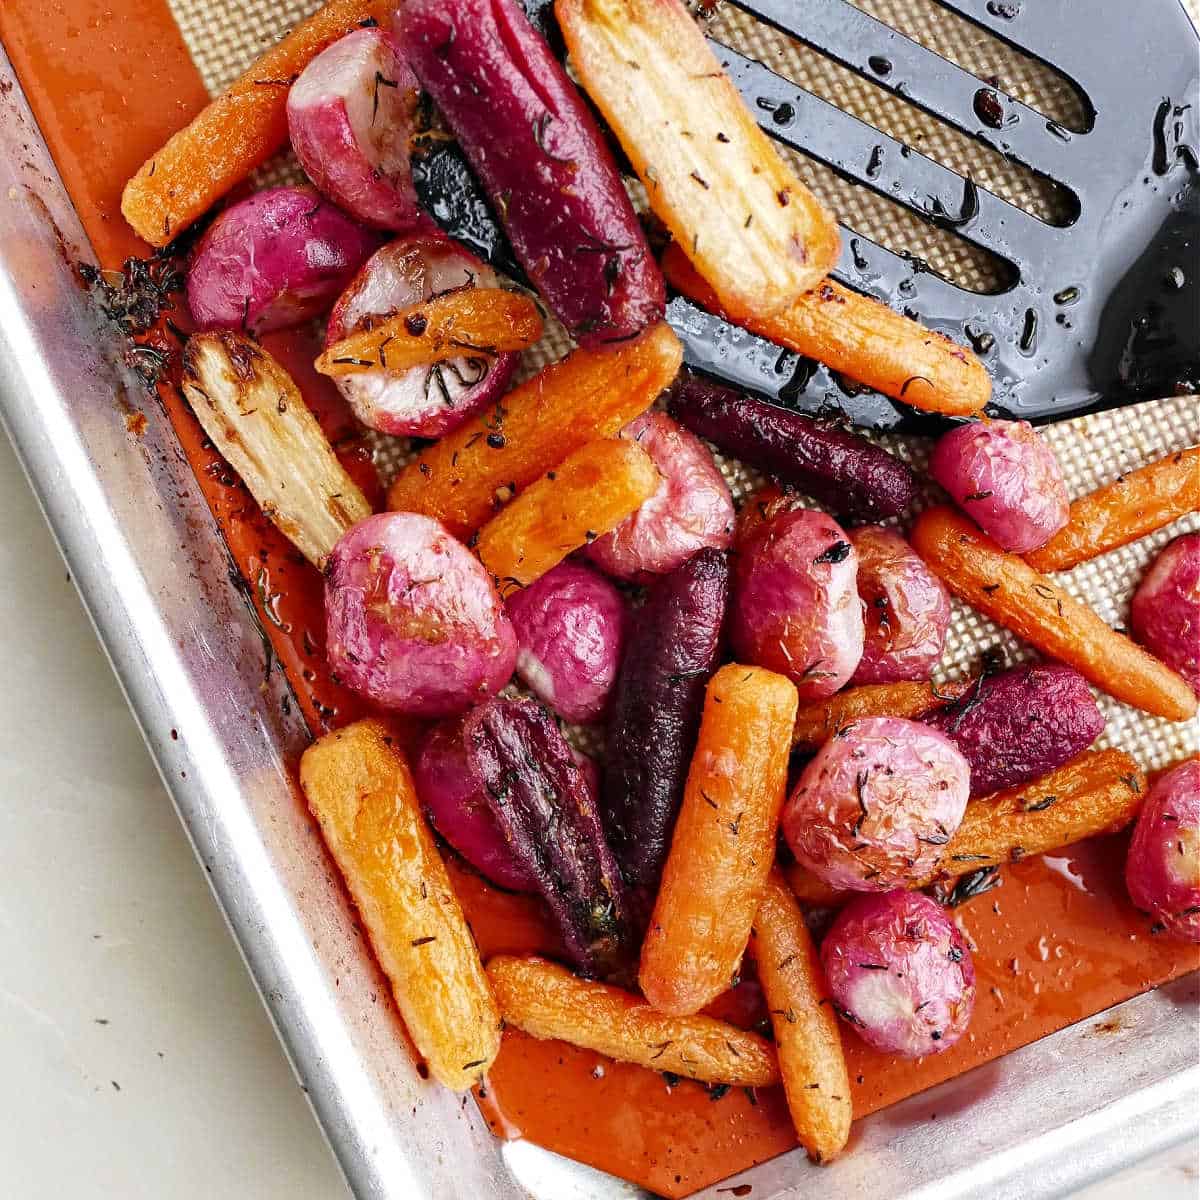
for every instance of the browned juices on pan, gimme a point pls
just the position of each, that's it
(1058, 940)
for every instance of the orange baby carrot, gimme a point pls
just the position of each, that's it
(237, 132)
(1099, 791)
(807, 1041)
(1130, 507)
(590, 394)
(485, 321)
(724, 840)
(1005, 588)
(816, 723)
(547, 1001)
(862, 338)
(361, 792)
(586, 495)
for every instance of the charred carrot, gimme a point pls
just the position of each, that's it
(1005, 588)
(724, 840)
(807, 1041)
(361, 792)
(481, 321)
(860, 337)
(590, 394)
(237, 132)
(1130, 507)
(1099, 791)
(547, 1001)
(757, 234)
(817, 723)
(586, 495)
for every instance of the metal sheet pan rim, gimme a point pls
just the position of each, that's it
(154, 577)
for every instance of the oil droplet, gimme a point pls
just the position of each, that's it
(1063, 134)
(860, 259)
(1004, 9)
(1175, 279)
(880, 65)
(988, 108)
(1068, 295)
(875, 163)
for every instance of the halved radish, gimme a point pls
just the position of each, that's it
(350, 117)
(425, 401)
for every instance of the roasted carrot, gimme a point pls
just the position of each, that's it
(1099, 791)
(586, 495)
(590, 394)
(481, 321)
(547, 1001)
(817, 723)
(237, 132)
(1130, 507)
(807, 1041)
(361, 792)
(724, 840)
(860, 337)
(756, 233)
(1005, 588)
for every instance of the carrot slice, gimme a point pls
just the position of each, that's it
(237, 132)
(590, 394)
(817, 723)
(860, 337)
(756, 232)
(586, 495)
(1099, 791)
(547, 1001)
(724, 840)
(1005, 588)
(361, 792)
(811, 1062)
(484, 321)
(1130, 507)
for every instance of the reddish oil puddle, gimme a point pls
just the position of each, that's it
(109, 81)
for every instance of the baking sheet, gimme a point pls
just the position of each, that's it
(357, 1149)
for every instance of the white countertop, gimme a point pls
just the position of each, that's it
(137, 1060)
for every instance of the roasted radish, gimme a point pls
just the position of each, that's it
(877, 805)
(796, 609)
(424, 401)
(1165, 613)
(278, 258)
(691, 509)
(906, 608)
(413, 621)
(350, 118)
(900, 973)
(570, 628)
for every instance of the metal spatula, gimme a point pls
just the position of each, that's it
(1103, 311)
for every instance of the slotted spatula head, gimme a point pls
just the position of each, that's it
(1103, 310)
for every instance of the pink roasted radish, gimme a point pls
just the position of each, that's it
(877, 804)
(421, 401)
(413, 621)
(275, 259)
(1165, 611)
(350, 117)
(691, 509)
(900, 972)
(796, 608)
